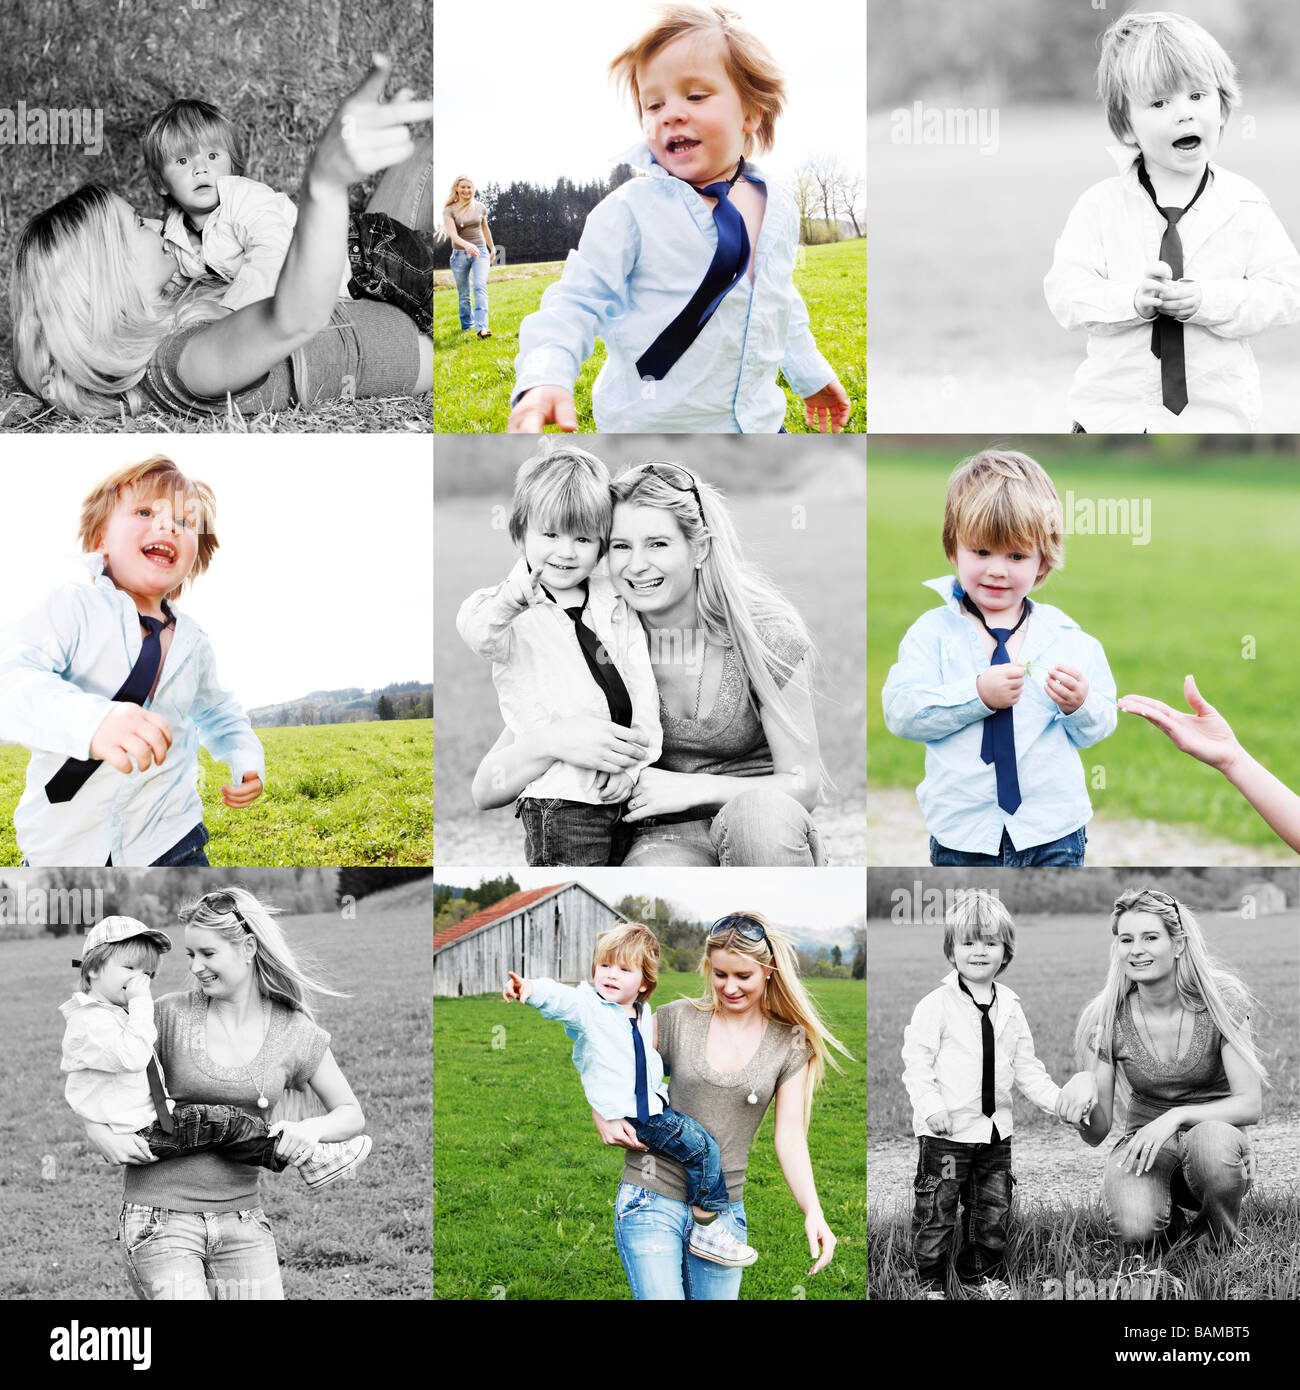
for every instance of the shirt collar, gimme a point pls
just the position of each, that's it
(949, 588)
(94, 563)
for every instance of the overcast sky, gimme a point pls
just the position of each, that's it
(324, 576)
(522, 92)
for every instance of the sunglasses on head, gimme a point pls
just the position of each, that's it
(742, 926)
(222, 901)
(672, 473)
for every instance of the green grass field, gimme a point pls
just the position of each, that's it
(367, 1238)
(1215, 584)
(473, 378)
(335, 794)
(524, 1188)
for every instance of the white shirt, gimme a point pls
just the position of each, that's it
(644, 251)
(105, 1052)
(943, 1063)
(541, 675)
(244, 240)
(1235, 249)
(60, 667)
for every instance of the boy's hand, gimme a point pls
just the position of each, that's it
(543, 405)
(137, 987)
(1067, 688)
(1078, 1096)
(940, 1122)
(614, 786)
(523, 585)
(1000, 686)
(517, 988)
(1151, 290)
(1182, 298)
(245, 794)
(827, 407)
(131, 732)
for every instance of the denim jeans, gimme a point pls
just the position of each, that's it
(188, 853)
(393, 264)
(686, 1141)
(475, 272)
(653, 1236)
(239, 1136)
(199, 1255)
(1201, 1169)
(760, 828)
(979, 1175)
(568, 832)
(1065, 853)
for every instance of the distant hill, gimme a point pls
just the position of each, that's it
(405, 700)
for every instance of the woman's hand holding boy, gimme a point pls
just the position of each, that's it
(1078, 1096)
(517, 988)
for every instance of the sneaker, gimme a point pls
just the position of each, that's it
(717, 1243)
(332, 1161)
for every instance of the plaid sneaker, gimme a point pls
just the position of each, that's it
(331, 1161)
(717, 1243)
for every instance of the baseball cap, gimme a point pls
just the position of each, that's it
(114, 929)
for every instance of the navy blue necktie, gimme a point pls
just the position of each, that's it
(1167, 331)
(642, 1083)
(988, 1101)
(999, 745)
(729, 263)
(600, 664)
(76, 772)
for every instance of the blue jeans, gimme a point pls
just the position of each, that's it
(760, 828)
(572, 833)
(979, 1175)
(466, 271)
(200, 1128)
(188, 853)
(1065, 853)
(653, 1236)
(199, 1255)
(686, 1141)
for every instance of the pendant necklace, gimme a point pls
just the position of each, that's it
(1178, 1046)
(262, 1101)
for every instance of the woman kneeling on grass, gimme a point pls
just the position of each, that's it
(98, 327)
(727, 1056)
(1173, 1027)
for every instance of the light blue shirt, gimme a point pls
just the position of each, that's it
(644, 251)
(60, 667)
(930, 696)
(603, 1051)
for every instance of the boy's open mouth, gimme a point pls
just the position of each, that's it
(161, 553)
(681, 145)
(1188, 142)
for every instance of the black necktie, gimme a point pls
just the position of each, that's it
(729, 263)
(642, 1084)
(988, 1102)
(159, 1096)
(999, 745)
(76, 772)
(1167, 331)
(601, 666)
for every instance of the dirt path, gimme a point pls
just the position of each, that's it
(896, 834)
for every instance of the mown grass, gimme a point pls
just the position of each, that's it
(359, 794)
(524, 1189)
(473, 377)
(361, 1239)
(1211, 594)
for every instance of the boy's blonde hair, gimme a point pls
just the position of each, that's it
(156, 476)
(562, 489)
(973, 912)
(135, 950)
(1003, 500)
(633, 946)
(1145, 55)
(188, 125)
(751, 68)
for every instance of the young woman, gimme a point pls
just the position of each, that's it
(96, 327)
(464, 220)
(740, 771)
(1169, 1032)
(754, 1037)
(193, 1227)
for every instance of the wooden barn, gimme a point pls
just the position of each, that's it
(547, 932)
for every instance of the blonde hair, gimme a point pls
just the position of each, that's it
(1203, 985)
(562, 488)
(734, 600)
(1003, 500)
(751, 68)
(155, 476)
(1144, 55)
(452, 197)
(83, 330)
(281, 974)
(973, 912)
(188, 125)
(633, 946)
(784, 997)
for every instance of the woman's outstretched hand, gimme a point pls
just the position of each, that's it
(1204, 733)
(118, 1148)
(295, 1140)
(821, 1240)
(367, 134)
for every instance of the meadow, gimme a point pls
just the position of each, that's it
(1210, 593)
(366, 1238)
(358, 794)
(473, 377)
(524, 1189)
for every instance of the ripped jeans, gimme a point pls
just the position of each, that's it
(977, 1175)
(653, 1236)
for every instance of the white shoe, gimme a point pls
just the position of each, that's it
(332, 1161)
(717, 1243)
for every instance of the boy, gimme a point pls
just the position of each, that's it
(967, 1042)
(112, 690)
(694, 323)
(623, 1077)
(1172, 266)
(1002, 691)
(562, 643)
(114, 1078)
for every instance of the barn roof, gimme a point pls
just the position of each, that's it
(485, 916)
